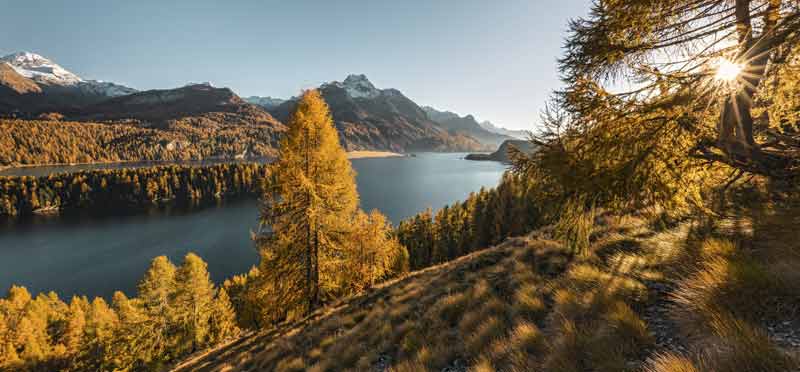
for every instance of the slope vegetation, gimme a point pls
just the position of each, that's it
(685, 298)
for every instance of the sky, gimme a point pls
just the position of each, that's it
(492, 59)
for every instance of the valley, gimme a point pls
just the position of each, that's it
(471, 186)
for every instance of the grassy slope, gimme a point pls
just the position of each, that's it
(669, 300)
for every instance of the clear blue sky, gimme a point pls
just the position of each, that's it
(493, 59)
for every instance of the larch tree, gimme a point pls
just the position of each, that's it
(371, 254)
(193, 302)
(149, 319)
(75, 326)
(223, 318)
(661, 104)
(309, 200)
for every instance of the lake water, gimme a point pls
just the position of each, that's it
(96, 255)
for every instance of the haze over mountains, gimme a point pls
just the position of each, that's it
(368, 118)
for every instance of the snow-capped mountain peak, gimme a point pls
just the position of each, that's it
(40, 69)
(48, 73)
(358, 86)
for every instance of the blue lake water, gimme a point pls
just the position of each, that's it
(95, 255)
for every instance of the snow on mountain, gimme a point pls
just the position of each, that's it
(40, 69)
(358, 86)
(265, 102)
(104, 88)
(46, 72)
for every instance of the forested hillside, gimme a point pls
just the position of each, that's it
(26, 142)
(121, 189)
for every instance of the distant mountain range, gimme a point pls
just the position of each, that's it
(382, 119)
(367, 118)
(466, 125)
(518, 134)
(268, 103)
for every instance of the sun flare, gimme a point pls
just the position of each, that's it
(728, 70)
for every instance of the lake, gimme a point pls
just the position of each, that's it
(82, 253)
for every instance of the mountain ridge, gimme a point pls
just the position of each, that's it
(382, 119)
(466, 125)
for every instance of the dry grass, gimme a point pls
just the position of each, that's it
(531, 305)
(670, 363)
(732, 282)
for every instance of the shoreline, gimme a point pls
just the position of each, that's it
(373, 154)
(191, 162)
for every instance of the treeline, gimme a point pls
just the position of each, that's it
(177, 311)
(127, 187)
(486, 218)
(26, 142)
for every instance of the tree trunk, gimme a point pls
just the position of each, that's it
(315, 298)
(735, 130)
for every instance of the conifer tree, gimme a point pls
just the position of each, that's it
(101, 322)
(681, 52)
(309, 200)
(243, 293)
(149, 320)
(75, 326)
(194, 300)
(223, 318)
(372, 253)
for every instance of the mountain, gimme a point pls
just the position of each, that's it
(518, 134)
(501, 154)
(466, 125)
(369, 118)
(192, 122)
(265, 102)
(197, 105)
(59, 88)
(15, 90)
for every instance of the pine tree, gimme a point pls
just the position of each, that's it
(309, 200)
(194, 300)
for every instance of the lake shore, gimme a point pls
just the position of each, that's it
(373, 154)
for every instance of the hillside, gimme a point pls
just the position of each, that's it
(197, 105)
(369, 118)
(28, 142)
(15, 89)
(641, 296)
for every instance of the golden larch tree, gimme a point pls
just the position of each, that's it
(310, 198)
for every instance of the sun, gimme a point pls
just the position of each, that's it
(728, 70)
